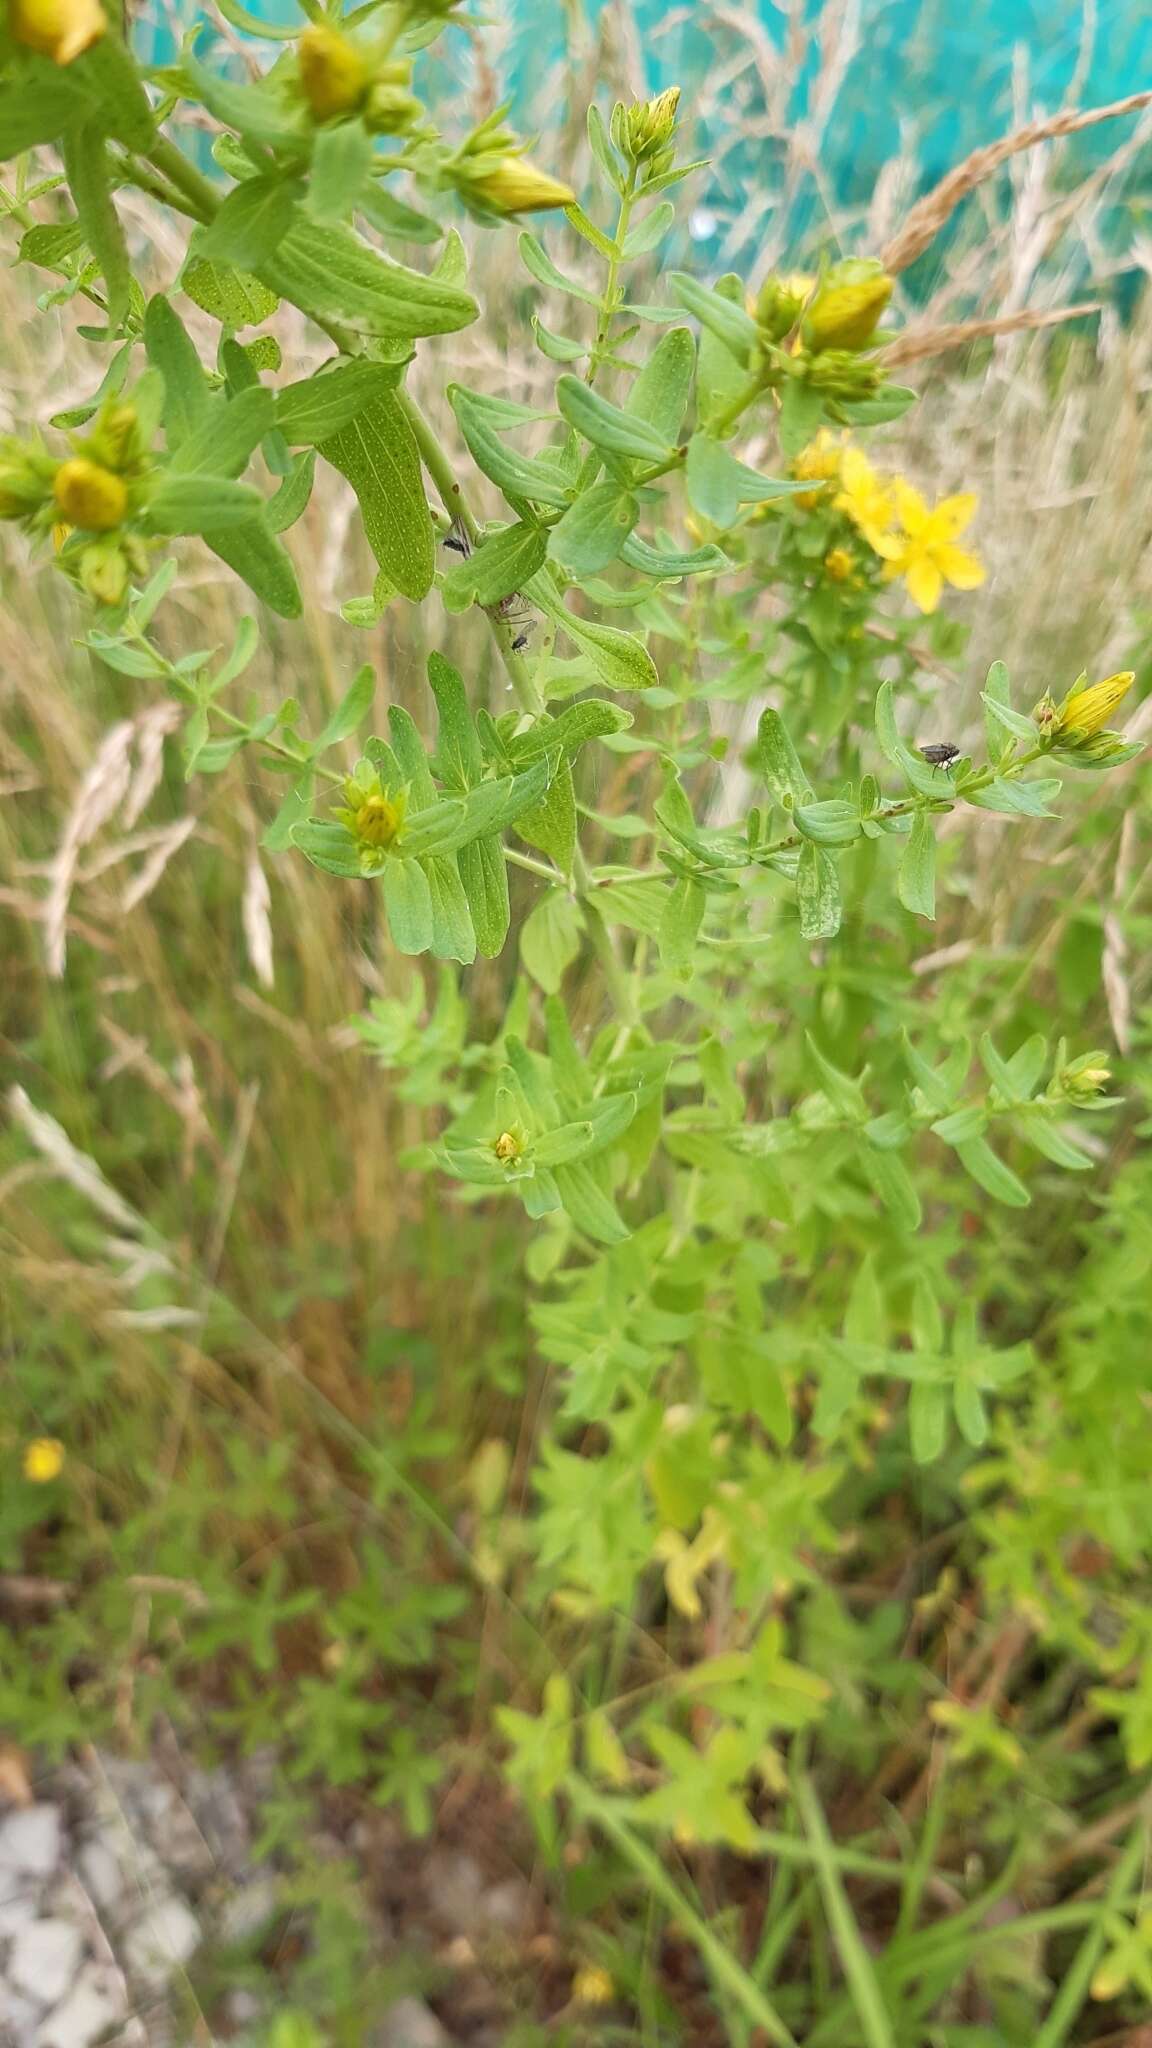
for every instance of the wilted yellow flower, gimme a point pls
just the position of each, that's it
(60, 29)
(90, 496)
(593, 1986)
(821, 461)
(516, 186)
(43, 1460)
(866, 500)
(845, 312)
(684, 1563)
(924, 552)
(334, 74)
(507, 1146)
(371, 814)
(1085, 712)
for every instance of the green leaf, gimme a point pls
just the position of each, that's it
(262, 562)
(232, 296)
(914, 768)
(620, 660)
(330, 273)
(994, 1177)
(408, 901)
(452, 935)
(605, 1122)
(970, 1412)
(354, 707)
(999, 718)
(328, 847)
(1016, 799)
(559, 348)
(859, 1969)
(550, 939)
(649, 232)
(458, 747)
(171, 351)
(722, 316)
(200, 504)
(778, 762)
(287, 504)
(602, 148)
(801, 413)
(718, 484)
(378, 455)
(594, 529)
(577, 218)
(86, 168)
(496, 568)
(665, 565)
(917, 881)
(292, 812)
(341, 160)
(40, 105)
(661, 392)
(817, 893)
(519, 476)
(484, 876)
(252, 220)
(551, 824)
(891, 402)
(319, 406)
(721, 377)
(391, 217)
(589, 1204)
(108, 68)
(680, 924)
(545, 272)
(1042, 1134)
(592, 719)
(831, 822)
(927, 1420)
(226, 436)
(893, 1184)
(254, 111)
(408, 752)
(607, 426)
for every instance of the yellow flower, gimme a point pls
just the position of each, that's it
(60, 29)
(866, 500)
(592, 1986)
(685, 1562)
(508, 1146)
(43, 1460)
(90, 496)
(840, 563)
(516, 186)
(924, 552)
(821, 462)
(334, 74)
(1085, 712)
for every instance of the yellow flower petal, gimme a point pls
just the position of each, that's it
(43, 1460)
(952, 515)
(911, 509)
(962, 570)
(925, 583)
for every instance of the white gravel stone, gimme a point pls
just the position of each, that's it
(410, 2024)
(95, 2002)
(30, 1840)
(15, 1913)
(44, 1959)
(166, 1936)
(100, 1874)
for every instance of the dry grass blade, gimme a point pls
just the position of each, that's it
(920, 343)
(929, 214)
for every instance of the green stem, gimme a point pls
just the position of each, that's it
(199, 191)
(610, 295)
(1076, 1986)
(744, 398)
(719, 1958)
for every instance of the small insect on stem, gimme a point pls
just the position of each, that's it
(458, 541)
(941, 754)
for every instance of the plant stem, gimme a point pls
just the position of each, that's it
(719, 1958)
(199, 191)
(610, 294)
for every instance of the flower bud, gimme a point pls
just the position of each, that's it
(334, 73)
(1085, 712)
(390, 108)
(779, 304)
(649, 125)
(103, 571)
(59, 29)
(507, 1146)
(114, 440)
(89, 495)
(516, 186)
(1083, 1079)
(848, 304)
(840, 564)
(841, 374)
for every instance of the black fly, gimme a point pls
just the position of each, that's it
(941, 754)
(512, 610)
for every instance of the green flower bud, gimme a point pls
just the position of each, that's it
(779, 304)
(516, 186)
(103, 571)
(649, 125)
(334, 73)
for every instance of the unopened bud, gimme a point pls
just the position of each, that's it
(649, 125)
(516, 186)
(103, 570)
(779, 304)
(1086, 712)
(59, 29)
(90, 496)
(391, 109)
(334, 73)
(846, 310)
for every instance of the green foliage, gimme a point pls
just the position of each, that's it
(796, 1246)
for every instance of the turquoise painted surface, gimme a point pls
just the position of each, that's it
(932, 75)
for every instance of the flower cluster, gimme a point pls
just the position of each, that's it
(914, 540)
